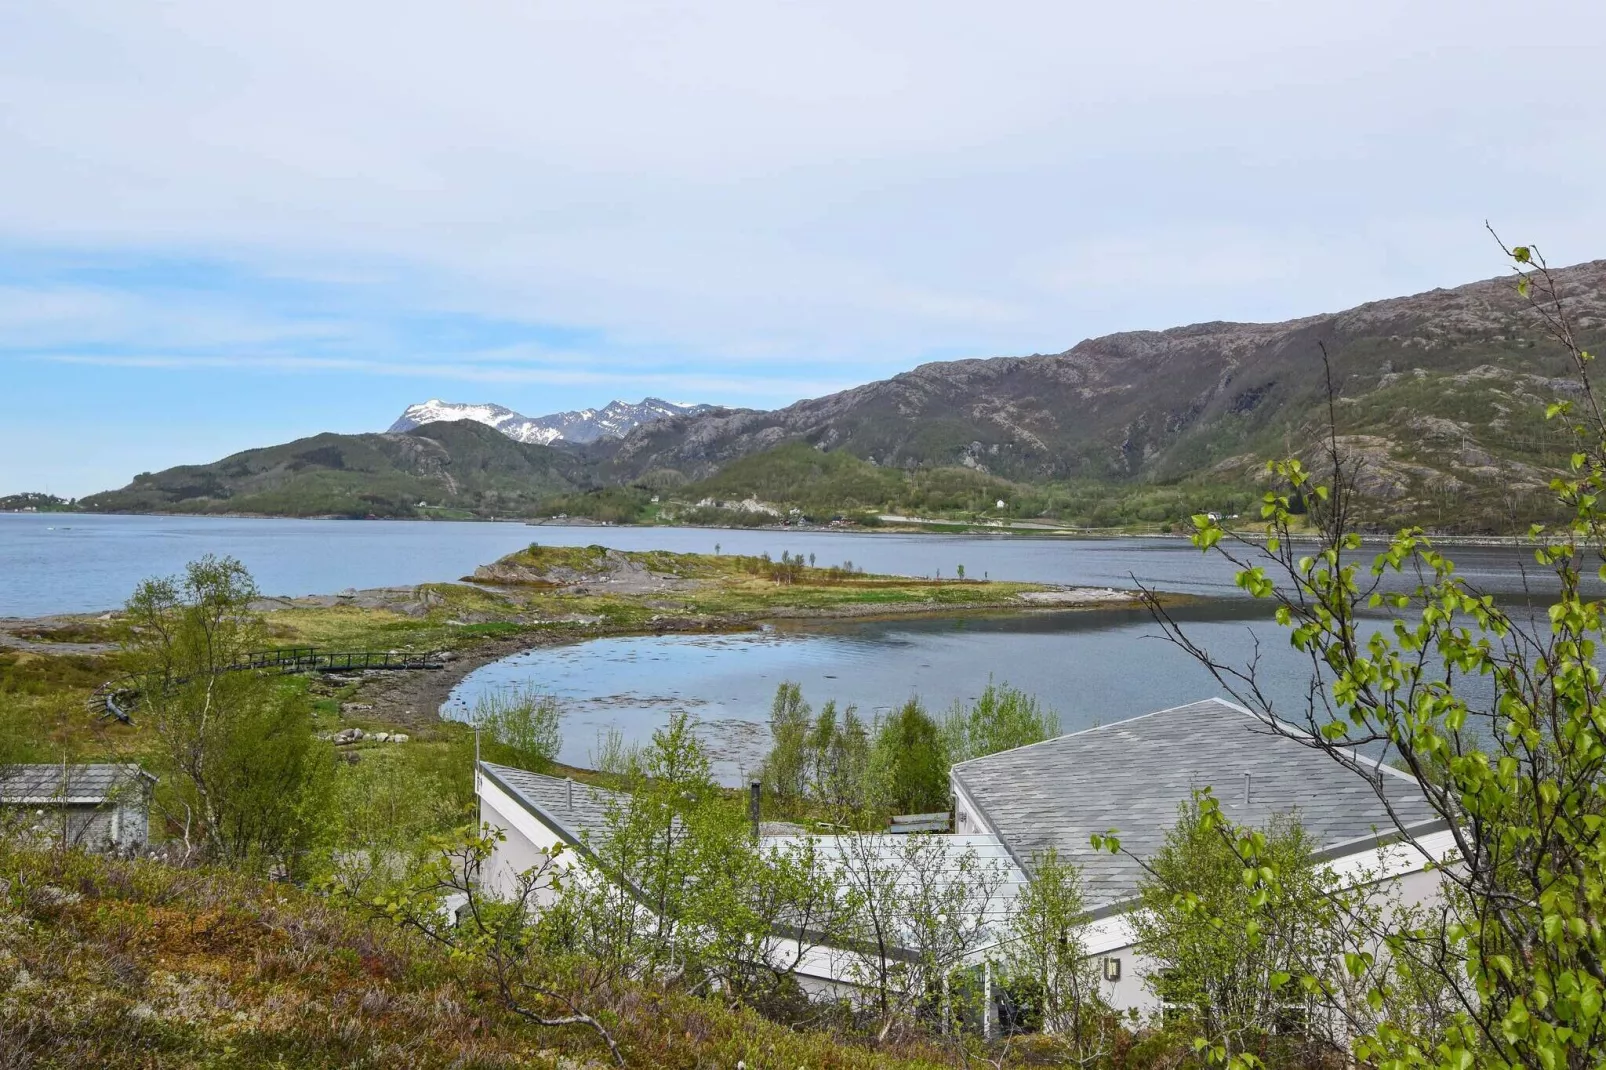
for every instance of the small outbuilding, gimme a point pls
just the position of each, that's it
(100, 807)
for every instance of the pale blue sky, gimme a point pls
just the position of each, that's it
(225, 225)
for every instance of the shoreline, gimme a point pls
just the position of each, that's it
(547, 596)
(904, 526)
(401, 695)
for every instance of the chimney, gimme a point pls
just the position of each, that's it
(1247, 782)
(754, 790)
(569, 782)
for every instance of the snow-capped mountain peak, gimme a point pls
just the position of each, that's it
(613, 420)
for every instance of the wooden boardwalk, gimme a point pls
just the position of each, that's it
(117, 698)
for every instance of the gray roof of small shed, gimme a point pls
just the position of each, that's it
(1132, 775)
(85, 785)
(571, 809)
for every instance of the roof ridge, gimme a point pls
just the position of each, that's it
(70, 765)
(596, 791)
(525, 772)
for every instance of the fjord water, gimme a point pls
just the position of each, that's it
(80, 563)
(83, 562)
(1091, 666)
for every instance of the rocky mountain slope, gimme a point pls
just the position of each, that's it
(1440, 399)
(613, 420)
(459, 466)
(1441, 394)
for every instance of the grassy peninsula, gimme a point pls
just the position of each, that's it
(541, 595)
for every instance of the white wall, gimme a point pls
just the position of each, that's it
(528, 842)
(1397, 870)
(967, 818)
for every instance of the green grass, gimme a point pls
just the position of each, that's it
(30, 673)
(495, 628)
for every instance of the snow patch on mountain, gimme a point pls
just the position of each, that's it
(613, 420)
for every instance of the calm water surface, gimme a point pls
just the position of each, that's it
(1091, 667)
(70, 563)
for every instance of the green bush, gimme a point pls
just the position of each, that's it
(911, 761)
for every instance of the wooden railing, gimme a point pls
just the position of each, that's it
(117, 698)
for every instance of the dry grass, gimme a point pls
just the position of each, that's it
(137, 964)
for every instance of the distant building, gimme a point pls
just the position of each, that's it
(97, 807)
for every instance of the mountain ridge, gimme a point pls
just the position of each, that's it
(1467, 366)
(1440, 396)
(582, 426)
(454, 467)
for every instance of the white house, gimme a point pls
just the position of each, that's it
(536, 813)
(1129, 776)
(1132, 776)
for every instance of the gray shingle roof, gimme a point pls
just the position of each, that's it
(1131, 776)
(569, 807)
(57, 783)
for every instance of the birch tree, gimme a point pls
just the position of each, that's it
(1499, 715)
(246, 776)
(920, 909)
(1046, 954)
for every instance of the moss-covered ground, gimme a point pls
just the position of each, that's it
(143, 965)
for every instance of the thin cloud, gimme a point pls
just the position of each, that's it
(743, 200)
(691, 384)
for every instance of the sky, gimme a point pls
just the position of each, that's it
(228, 225)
